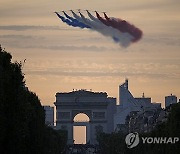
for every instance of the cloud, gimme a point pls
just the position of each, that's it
(102, 74)
(90, 68)
(68, 47)
(150, 5)
(21, 37)
(162, 39)
(32, 27)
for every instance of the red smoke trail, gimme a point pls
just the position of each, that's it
(121, 25)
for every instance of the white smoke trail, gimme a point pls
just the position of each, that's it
(124, 39)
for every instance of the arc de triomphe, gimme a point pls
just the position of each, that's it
(96, 105)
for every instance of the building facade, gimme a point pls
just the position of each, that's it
(129, 104)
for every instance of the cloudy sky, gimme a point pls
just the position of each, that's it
(62, 58)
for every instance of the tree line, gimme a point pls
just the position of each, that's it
(22, 117)
(114, 143)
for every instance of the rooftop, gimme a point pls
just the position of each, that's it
(82, 92)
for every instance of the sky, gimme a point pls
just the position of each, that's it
(60, 58)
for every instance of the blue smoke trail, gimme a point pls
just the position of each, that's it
(75, 20)
(72, 23)
(67, 21)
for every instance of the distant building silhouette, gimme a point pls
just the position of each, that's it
(105, 114)
(49, 115)
(172, 99)
(129, 104)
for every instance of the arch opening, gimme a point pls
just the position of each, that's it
(81, 128)
(81, 117)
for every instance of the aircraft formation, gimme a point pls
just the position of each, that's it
(119, 30)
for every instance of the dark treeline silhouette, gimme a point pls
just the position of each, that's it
(22, 117)
(115, 143)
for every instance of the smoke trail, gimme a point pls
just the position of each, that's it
(93, 24)
(123, 38)
(121, 25)
(67, 21)
(71, 23)
(124, 26)
(92, 17)
(75, 21)
(77, 17)
(102, 20)
(119, 30)
(69, 17)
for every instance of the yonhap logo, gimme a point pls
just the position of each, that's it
(132, 140)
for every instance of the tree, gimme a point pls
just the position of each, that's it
(22, 117)
(115, 142)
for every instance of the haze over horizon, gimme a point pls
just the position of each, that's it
(61, 58)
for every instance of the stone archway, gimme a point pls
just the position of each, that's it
(93, 104)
